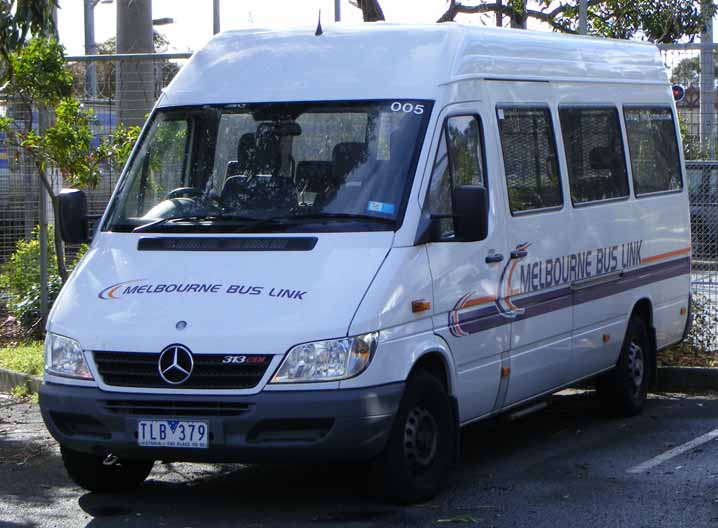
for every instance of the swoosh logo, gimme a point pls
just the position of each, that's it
(110, 293)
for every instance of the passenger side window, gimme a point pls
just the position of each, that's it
(459, 161)
(595, 157)
(530, 162)
(652, 143)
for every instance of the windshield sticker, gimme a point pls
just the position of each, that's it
(380, 207)
(132, 288)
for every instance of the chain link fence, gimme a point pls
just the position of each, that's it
(119, 89)
(694, 67)
(703, 189)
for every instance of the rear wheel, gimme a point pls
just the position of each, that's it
(623, 390)
(421, 448)
(92, 473)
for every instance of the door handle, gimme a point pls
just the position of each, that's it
(519, 253)
(494, 257)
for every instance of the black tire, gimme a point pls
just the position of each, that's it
(89, 472)
(623, 390)
(421, 448)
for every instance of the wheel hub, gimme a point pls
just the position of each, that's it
(635, 365)
(420, 438)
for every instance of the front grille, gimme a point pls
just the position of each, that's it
(175, 408)
(132, 369)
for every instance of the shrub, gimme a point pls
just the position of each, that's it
(703, 335)
(20, 279)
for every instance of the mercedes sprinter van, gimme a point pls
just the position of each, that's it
(346, 246)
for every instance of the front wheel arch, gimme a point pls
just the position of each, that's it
(434, 363)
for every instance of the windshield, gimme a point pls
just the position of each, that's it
(333, 166)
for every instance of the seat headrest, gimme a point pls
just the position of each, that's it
(246, 152)
(348, 156)
(268, 158)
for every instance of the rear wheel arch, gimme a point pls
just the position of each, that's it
(643, 308)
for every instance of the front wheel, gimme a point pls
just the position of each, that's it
(422, 445)
(623, 391)
(93, 474)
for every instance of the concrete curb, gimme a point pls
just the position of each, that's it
(686, 378)
(10, 379)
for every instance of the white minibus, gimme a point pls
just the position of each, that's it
(346, 246)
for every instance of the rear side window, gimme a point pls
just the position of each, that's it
(459, 161)
(594, 154)
(530, 161)
(653, 146)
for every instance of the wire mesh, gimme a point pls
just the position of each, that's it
(703, 189)
(694, 67)
(119, 89)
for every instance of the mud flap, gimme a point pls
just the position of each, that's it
(457, 433)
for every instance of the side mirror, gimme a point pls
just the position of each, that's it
(471, 213)
(72, 221)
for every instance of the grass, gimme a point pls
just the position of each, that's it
(23, 392)
(26, 358)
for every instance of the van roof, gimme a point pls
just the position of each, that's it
(388, 61)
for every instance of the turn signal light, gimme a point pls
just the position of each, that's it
(606, 338)
(684, 310)
(421, 305)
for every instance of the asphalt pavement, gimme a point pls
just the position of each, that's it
(567, 465)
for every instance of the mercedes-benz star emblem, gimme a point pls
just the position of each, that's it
(176, 364)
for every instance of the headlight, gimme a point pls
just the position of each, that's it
(327, 360)
(64, 357)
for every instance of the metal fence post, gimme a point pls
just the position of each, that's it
(583, 17)
(707, 91)
(43, 124)
(215, 17)
(90, 49)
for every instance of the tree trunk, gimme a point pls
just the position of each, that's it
(371, 10)
(519, 18)
(59, 247)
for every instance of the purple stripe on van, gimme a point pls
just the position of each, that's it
(489, 317)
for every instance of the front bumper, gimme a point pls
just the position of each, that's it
(286, 426)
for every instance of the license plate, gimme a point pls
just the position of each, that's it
(172, 433)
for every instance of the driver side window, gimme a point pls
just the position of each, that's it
(459, 161)
(162, 164)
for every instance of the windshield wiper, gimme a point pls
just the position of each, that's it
(298, 219)
(343, 216)
(196, 218)
(250, 222)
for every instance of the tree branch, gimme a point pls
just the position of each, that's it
(548, 17)
(371, 10)
(455, 8)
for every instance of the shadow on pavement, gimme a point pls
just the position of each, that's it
(255, 495)
(543, 448)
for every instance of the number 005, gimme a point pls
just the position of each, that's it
(407, 108)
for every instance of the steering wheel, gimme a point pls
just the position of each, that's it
(189, 192)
